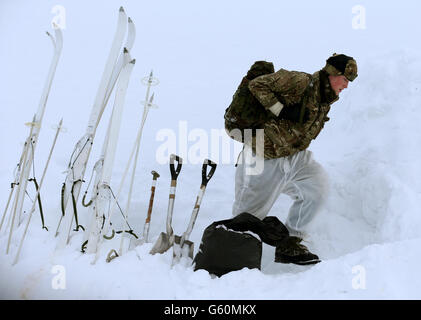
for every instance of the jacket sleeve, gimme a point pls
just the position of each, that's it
(269, 89)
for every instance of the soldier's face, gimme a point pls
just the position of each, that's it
(338, 83)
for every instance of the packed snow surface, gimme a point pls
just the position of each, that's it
(368, 235)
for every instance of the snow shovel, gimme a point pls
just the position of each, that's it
(183, 247)
(148, 217)
(166, 240)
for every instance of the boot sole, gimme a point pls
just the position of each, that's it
(301, 263)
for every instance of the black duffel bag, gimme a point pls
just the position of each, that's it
(234, 244)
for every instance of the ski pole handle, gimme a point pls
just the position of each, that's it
(175, 171)
(206, 178)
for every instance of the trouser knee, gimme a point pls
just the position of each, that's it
(308, 201)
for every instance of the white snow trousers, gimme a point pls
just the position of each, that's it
(299, 176)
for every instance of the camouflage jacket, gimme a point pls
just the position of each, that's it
(292, 88)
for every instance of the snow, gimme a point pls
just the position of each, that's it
(368, 235)
(242, 232)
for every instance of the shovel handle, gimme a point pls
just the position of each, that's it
(148, 217)
(205, 180)
(206, 177)
(175, 171)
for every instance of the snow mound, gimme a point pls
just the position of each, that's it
(368, 234)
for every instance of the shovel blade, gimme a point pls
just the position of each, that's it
(136, 242)
(179, 252)
(162, 244)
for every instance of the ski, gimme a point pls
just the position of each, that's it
(31, 143)
(100, 208)
(122, 60)
(79, 159)
(131, 36)
(100, 162)
(38, 191)
(17, 175)
(149, 81)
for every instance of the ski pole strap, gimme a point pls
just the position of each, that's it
(175, 171)
(132, 233)
(113, 232)
(118, 232)
(103, 222)
(84, 246)
(63, 211)
(109, 237)
(87, 188)
(83, 201)
(75, 206)
(85, 140)
(110, 255)
(118, 205)
(39, 202)
(129, 232)
(206, 178)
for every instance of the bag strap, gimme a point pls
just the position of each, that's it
(305, 95)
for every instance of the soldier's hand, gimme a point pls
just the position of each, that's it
(292, 113)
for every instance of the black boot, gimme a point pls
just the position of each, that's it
(292, 251)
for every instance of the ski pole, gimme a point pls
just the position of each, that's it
(148, 104)
(38, 191)
(7, 205)
(148, 218)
